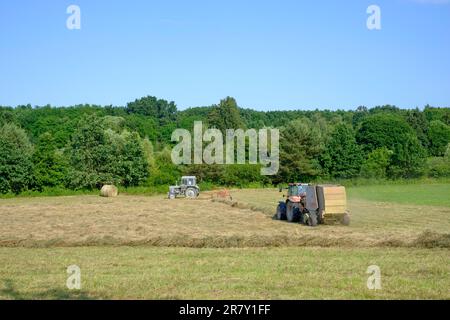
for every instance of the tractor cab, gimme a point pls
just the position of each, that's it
(297, 191)
(189, 181)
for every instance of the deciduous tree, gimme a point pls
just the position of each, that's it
(15, 159)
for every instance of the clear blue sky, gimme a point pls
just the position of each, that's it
(269, 55)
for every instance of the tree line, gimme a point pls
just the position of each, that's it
(86, 146)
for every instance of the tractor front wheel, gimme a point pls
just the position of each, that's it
(281, 212)
(292, 213)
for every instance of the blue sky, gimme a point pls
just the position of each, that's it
(269, 55)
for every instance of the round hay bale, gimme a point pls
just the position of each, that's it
(109, 191)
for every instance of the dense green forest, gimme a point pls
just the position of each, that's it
(86, 146)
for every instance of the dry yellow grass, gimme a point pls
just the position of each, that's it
(156, 221)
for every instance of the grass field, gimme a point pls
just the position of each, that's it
(437, 194)
(244, 273)
(150, 247)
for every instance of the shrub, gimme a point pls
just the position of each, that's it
(376, 164)
(438, 167)
(439, 138)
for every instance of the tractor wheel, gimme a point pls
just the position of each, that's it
(281, 212)
(346, 219)
(312, 219)
(191, 193)
(320, 219)
(171, 196)
(292, 213)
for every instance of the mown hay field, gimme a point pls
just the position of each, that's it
(151, 248)
(244, 222)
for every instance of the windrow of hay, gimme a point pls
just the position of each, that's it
(430, 239)
(425, 240)
(241, 205)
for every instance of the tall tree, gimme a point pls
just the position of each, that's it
(100, 156)
(15, 159)
(225, 115)
(130, 166)
(417, 120)
(90, 155)
(162, 112)
(433, 113)
(150, 106)
(439, 137)
(394, 133)
(50, 167)
(343, 156)
(7, 115)
(301, 143)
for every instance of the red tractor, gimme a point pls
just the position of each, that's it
(314, 204)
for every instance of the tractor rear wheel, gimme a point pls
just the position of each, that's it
(320, 219)
(191, 193)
